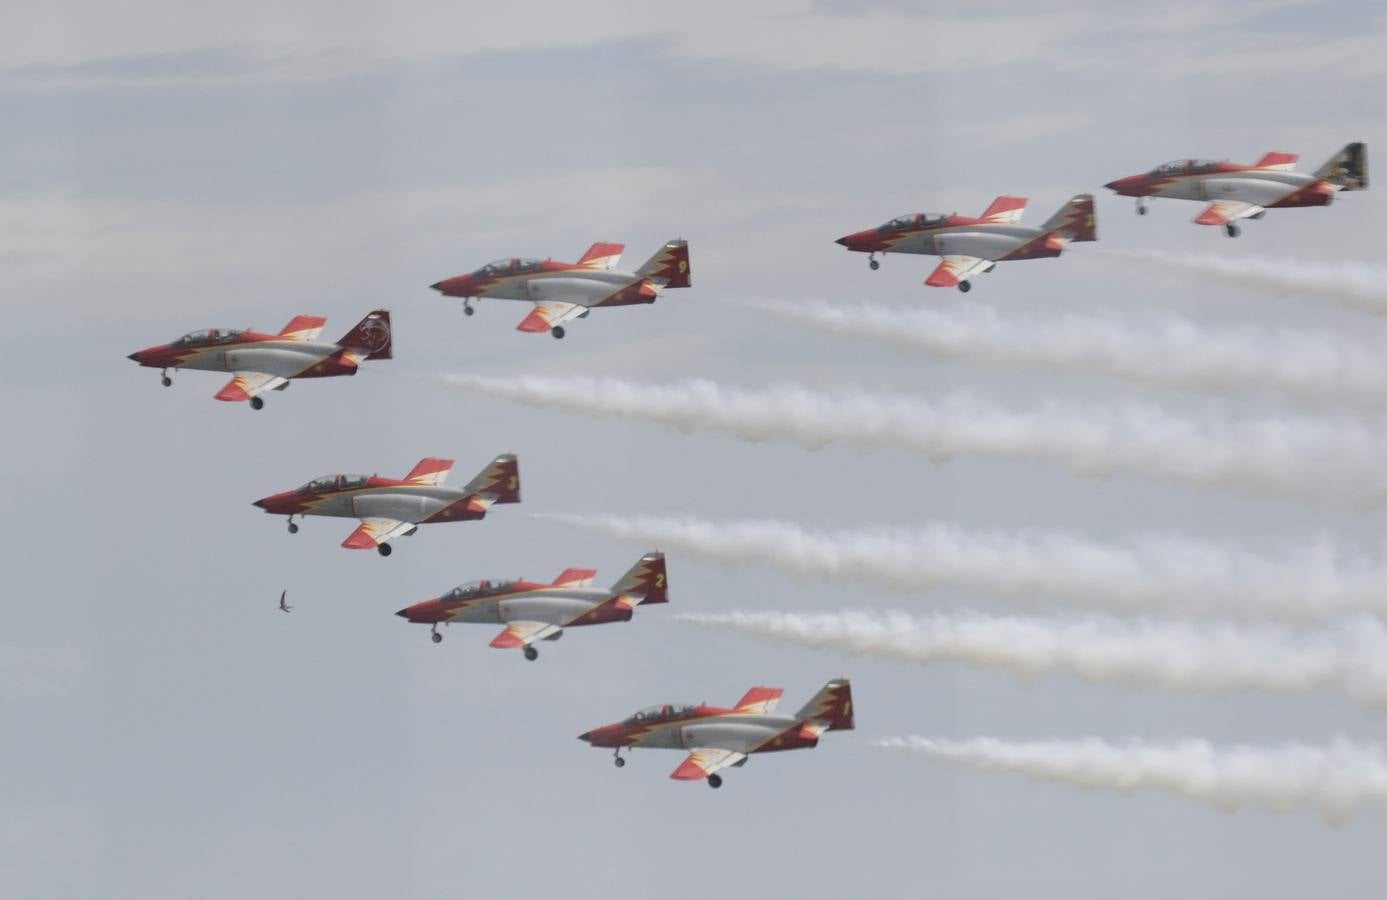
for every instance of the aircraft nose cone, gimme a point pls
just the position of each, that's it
(259, 503)
(1111, 185)
(437, 286)
(134, 356)
(404, 613)
(842, 240)
(585, 736)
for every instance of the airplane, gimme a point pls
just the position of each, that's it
(719, 738)
(562, 291)
(283, 606)
(1247, 192)
(389, 508)
(540, 612)
(266, 362)
(975, 246)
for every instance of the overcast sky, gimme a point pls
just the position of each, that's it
(168, 166)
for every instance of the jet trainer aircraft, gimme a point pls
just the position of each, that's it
(266, 362)
(564, 291)
(974, 246)
(389, 508)
(719, 738)
(534, 611)
(1246, 192)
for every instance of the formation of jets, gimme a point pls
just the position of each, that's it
(388, 508)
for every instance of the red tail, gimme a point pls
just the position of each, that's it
(371, 334)
(670, 266)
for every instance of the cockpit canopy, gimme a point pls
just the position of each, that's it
(913, 220)
(333, 483)
(512, 266)
(660, 713)
(1185, 165)
(478, 588)
(207, 336)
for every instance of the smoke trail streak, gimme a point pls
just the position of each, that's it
(1351, 658)
(1335, 780)
(1358, 285)
(1172, 352)
(1311, 581)
(1282, 456)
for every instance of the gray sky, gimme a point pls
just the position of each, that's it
(169, 166)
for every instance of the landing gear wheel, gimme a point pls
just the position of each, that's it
(257, 403)
(383, 549)
(293, 529)
(531, 654)
(618, 762)
(436, 638)
(715, 780)
(965, 286)
(1232, 229)
(166, 381)
(558, 332)
(1141, 208)
(468, 311)
(874, 264)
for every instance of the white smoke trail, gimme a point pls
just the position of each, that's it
(1359, 285)
(1351, 658)
(1172, 352)
(1310, 581)
(1283, 456)
(1335, 780)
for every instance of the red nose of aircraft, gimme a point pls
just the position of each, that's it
(1126, 186)
(460, 286)
(867, 241)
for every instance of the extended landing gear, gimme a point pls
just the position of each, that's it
(558, 332)
(467, 309)
(293, 528)
(1232, 229)
(715, 780)
(617, 760)
(257, 403)
(435, 636)
(164, 378)
(531, 653)
(383, 549)
(1141, 206)
(872, 262)
(965, 286)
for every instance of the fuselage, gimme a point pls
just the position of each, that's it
(537, 281)
(361, 497)
(956, 236)
(684, 728)
(490, 602)
(224, 350)
(1209, 181)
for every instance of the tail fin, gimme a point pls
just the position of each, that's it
(1075, 220)
(371, 334)
(670, 266)
(1348, 170)
(646, 580)
(602, 256)
(1005, 211)
(575, 578)
(499, 482)
(832, 705)
(1283, 161)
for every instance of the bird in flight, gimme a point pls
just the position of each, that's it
(284, 607)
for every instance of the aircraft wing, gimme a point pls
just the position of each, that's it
(549, 313)
(523, 634)
(375, 531)
(303, 328)
(1221, 212)
(245, 385)
(702, 763)
(760, 700)
(955, 269)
